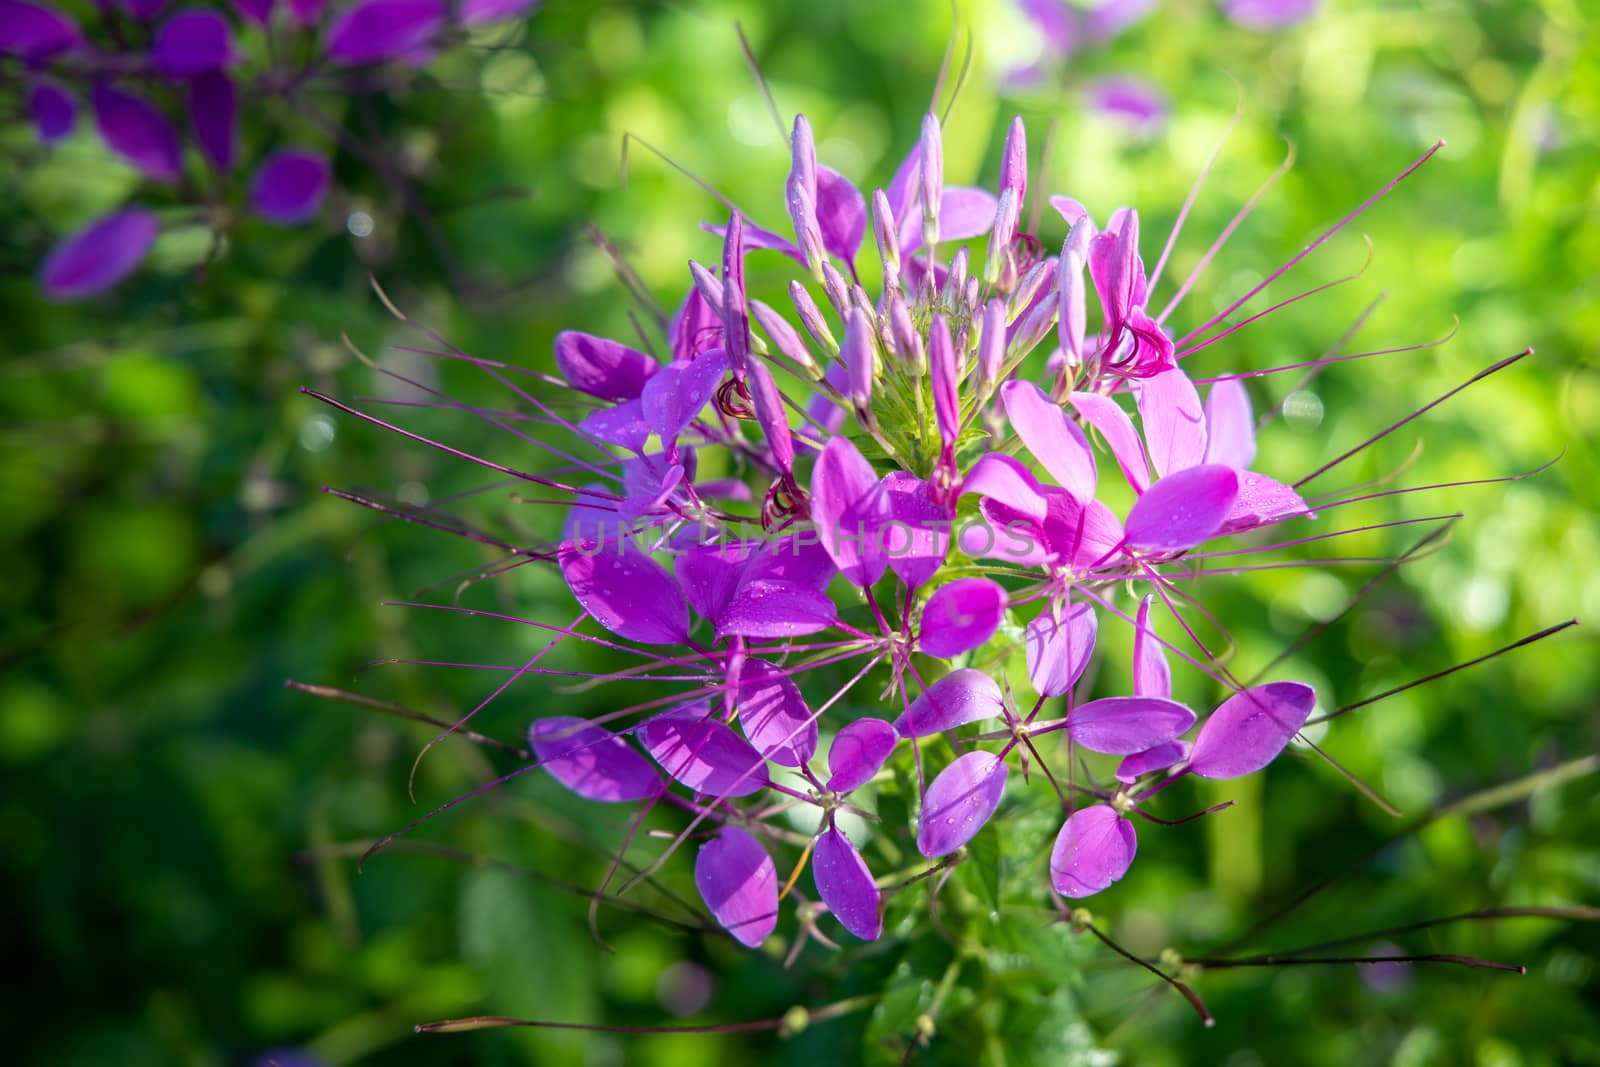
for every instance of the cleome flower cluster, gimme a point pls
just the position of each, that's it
(938, 498)
(152, 69)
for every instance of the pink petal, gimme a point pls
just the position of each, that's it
(774, 715)
(1094, 848)
(601, 367)
(1058, 652)
(1268, 14)
(917, 535)
(627, 592)
(1159, 758)
(1107, 416)
(739, 883)
(849, 507)
(1077, 534)
(858, 752)
(194, 41)
(214, 115)
(1053, 439)
(289, 186)
(1006, 534)
(1122, 726)
(673, 396)
(591, 761)
(623, 425)
(1115, 266)
(703, 754)
(771, 607)
(964, 213)
(959, 801)
(98, 256)
(709, 576)
(696, 328)
(1261, 502)
(770, 414)
(1151, 675)
(1250, 728)
(1174, 422)
(841, 214)
(138, 133)
(961, 616)
(1006, 480)
(797, 558)
(956, 699)
(1183, 509)
(1230, 426)
(845, 885)
(1068, 208)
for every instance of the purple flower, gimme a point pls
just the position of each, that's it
(100, 255)
(137, 132)
(192, 42)
(1268, 14)
(289, 186)
(739, 883)
(35, 31)
(55, 112)
(372, 31)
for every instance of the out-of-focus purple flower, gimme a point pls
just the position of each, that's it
(98, 256)
(306, 12)
(54, 111)
(35, 31)
(195, 41)
(1136, 105)
(1268, 14)
(214, 114)
(376, 30)
(482, 12)
(256, 11)
(289, 186)
(137, 132)
(143, 10)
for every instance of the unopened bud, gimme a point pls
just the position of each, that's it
(803, 157)
(807, 230)
(1014, 161)
(837, 288)
(907, 342)
(811, 318)
(1001, 236)
(883, 228)
(708, 285)
(931, 150)
(1028, 288)
(992, 344)
(860, 363)
(783, 337)
(943, 375)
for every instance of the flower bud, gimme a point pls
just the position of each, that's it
(1001, 236)
(811, 318)
(907, 342)
(931, 149)
(1014, 162)
(735, 320)
(1028, 287)
(783, 337)
(883, 228)
(807, 230)
(837, 288)
(1072, 309)
(992, 344)
(708, 285)
(860, 362)
(803, 153)
(944, 376)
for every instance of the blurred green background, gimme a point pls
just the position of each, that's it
(176, 826)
